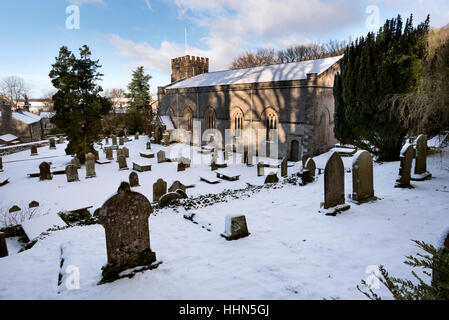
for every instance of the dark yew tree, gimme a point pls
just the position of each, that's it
(139, 104)
(373, 70)
(78, 105)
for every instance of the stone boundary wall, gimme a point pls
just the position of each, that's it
(11, 150)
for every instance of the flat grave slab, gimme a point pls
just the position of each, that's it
(34, 227)
(227, 175)
(103, 161)
(147, 155)
(141, 167)
(209, 178)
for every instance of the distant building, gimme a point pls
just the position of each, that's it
(25, 125)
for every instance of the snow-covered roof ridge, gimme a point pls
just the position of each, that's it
(276, 72)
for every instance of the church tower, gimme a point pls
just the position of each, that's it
(188, 67)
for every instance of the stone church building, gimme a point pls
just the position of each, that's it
(294, 99)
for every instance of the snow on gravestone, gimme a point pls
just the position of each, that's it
(34, 227)
(311, 166)
(334, 182)
(235, 227)
(124, 217)
(176, 186)
(260, 169)
(159, 189)
(362, 177)
(44, 171)
(420, 172)
(406, 159)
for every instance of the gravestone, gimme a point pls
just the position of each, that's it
(136, 136)
(124, 217)
(160, 156)
(33, 150)
(304, 160)
(133, 179)
(271, 178)
(245, 157)
(311, 166)
(90, 166)
(235, 227)
(1, 164)
(52, 143)
(109, 155)
(61, 140)
(334, 182)
(405, 167)
(121, 141)
(125, 152)
(284, 167)
(186, 161)
(33, 204)
(250, 160)
(3, 246)
(44, 171)
(71, 172)
(159, 189)
(166, 137)
(177, 185)
(420, 172)
(168, 197)
(141, 168)
(114, 140)
(14, 209)
(119, 152)
(106, 140)
(362, 177)
(260, 169)
(76, 162)
(122, 165)
(148, 145)
(213, 166)
(181, 167)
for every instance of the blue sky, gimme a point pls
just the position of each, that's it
(125, 34)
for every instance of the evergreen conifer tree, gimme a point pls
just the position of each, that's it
(139, 95)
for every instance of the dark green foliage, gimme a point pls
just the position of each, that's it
(77, 102)
(437, 261)
(375, 68)
(139, 95)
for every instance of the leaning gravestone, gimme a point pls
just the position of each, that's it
(133, 179)
(362, 177)
(311, 166)
(284, 167)
(33, 204)
(14, 208)
(181, 167)
(159, 189)
(421, 159)
(235, 227)
(71, 172)
(52, 143)
(44, 171)
(90, 166)
(33, 150)
(125, 152)
(168, 197)
(406, 159)
(109, 155)
(3, 246)
(160, 156)
(124, 217)
(334, 184)
(122, 165)
(177, 185)
(260, 169)
(148, 145)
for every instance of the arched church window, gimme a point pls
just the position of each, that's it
(271, 123)
(210, 119)
(188, 119)
(238, 123)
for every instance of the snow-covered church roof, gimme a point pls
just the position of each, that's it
(277, 72)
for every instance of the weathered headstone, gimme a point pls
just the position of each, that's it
(161, 156)
(124, 217)
(90, 166)
(362, 177)
(406, 159)
(334, 182)
(420, 171)
(311, 166)
(136, 136)
(177, 185)
(61, 140)
(213, 166)
(271, 178)
(3, 246)
(44, 171)
(141, 168)
(159, 189)
(125, 152)
(52, 143)
(76, 162)
(245, 157)
(181, 167)
(235, 227)
(14, 208)
(284, 167)
(168, 197)
(121, 141)
(260, 169)
(166, 137)
(122, 165)
(33, 204)
(114, 140)
(109, 155)
(148, 145)
(33, 150)
(133, 179)
(119, 152)
(71, 172)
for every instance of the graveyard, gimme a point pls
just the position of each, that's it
(293, 243)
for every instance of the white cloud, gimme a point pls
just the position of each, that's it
(147, 2)
(81, 2)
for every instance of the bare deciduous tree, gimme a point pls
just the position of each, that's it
(116, 96)
(14, 88)
(262, 57)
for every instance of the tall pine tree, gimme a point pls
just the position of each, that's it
(373, 70)
(77, 102)
(139, 95)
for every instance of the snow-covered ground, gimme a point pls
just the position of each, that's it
(293, 252)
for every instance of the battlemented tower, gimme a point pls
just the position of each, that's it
(187, 67)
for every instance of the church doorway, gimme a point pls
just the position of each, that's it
(294, 150)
